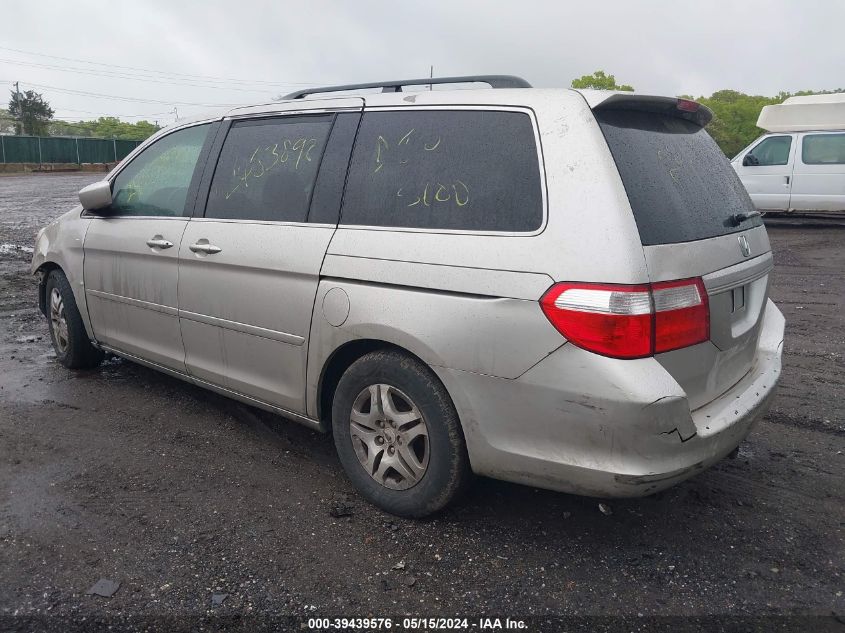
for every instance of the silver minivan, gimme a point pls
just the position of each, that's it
(565, 289)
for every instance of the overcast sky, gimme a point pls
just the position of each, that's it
(212, 52)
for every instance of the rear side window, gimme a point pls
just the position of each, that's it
(823, 149)
(771, 151)
(679, 183)
(267, 168)
(454, 170)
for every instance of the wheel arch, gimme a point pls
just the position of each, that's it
(43, 271)
(342, 358)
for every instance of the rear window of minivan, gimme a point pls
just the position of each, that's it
(473, 170)
(680, 185)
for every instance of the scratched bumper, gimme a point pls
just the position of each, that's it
(582, 423)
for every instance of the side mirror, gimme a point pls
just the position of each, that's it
(95, 196)
(750, 160)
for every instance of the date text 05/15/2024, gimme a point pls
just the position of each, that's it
(414, 624)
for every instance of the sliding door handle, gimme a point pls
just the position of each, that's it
(208, 249)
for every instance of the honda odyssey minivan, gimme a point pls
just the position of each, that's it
(565, 289)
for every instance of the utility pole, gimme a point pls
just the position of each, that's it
(20, 111)
(430, 75)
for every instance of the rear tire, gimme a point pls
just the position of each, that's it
(70, 340)
(398, 436)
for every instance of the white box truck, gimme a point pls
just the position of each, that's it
(799, 164)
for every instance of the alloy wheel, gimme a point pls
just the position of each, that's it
(59, 321)
(390, 436)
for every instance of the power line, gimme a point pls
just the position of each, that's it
(86, 93)
(128, 116)
(116, 75)
(239, 80)
(11, 81)
(76, 119)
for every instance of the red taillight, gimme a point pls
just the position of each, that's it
(630, 321)
(681, 314)
(606, 319)
(685, 105)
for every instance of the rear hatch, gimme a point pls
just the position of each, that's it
(695, 220)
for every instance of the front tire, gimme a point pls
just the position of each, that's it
(70, 341)
(398, 436)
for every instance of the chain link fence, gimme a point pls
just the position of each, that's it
(51, 149)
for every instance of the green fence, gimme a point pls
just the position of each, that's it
(49, 149)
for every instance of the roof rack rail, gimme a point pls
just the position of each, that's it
(494, 81)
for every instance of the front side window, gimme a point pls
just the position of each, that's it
(771, 151)
(454, 170)
(267, 169)
(156, 182)
(823, 149)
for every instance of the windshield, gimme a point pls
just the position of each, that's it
(680, 185)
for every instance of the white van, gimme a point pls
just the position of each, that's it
(799, 164)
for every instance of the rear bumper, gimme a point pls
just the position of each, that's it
(582, 423)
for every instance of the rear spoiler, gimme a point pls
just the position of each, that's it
(671, 106)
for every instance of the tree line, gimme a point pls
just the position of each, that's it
(30, 114)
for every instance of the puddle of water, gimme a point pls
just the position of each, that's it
(20, 385)
(6, 249)
(115, 368)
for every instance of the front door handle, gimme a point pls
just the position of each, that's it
(159, 242)
(208, 249)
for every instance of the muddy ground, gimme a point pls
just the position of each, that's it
(178, 494)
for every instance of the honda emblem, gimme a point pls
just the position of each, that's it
(744, 246)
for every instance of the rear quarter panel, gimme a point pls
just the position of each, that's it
(496, 335)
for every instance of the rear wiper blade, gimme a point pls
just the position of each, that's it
(739, 218)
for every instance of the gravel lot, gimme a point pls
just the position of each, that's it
(178, 494)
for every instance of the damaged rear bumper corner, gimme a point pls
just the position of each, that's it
(585, 424)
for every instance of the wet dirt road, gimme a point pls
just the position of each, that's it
(179, 494)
